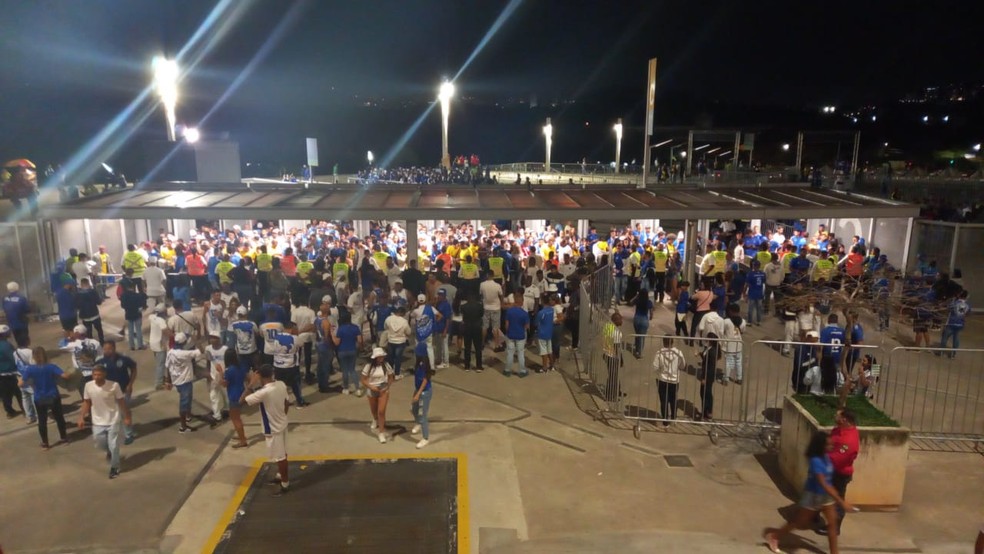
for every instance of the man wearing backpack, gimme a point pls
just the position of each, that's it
(959, 308)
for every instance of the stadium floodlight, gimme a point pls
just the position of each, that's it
(166, 75)
(444, 96)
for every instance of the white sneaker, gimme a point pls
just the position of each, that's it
(382, 438)
(415, 430)
(346, 391)
(359, 393)
(399, 376)
(374, 425)
(422, 443)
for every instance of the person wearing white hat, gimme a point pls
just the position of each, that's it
(16, 308)
(158, 342)
(377, 377)
(155, 281)
(85, 351)
(180, 365)
(424, 320)
(246, 332)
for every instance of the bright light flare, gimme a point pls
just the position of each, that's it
(191, 135)
(166, 75)
(785, 147)
(977, 147)
(683, 154)
(446, 92)
(618, 131)
(548, 130)
(369, 156)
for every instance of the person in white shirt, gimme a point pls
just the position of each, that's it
(271, 396)
(156, 282)
(492, 297)
(85, 352)
(731, 347)
(567, 268)
(377, 377)
(303, 317)
(159, 335)
(184, 321)
(397, 330)
(215, 354)
(774, 276)
(246, 332)
(269, 331)
(285, 348)
(103, 400)
(711, 323)
(180, 365)
(214, 319)
(357, 308)
(668, 364)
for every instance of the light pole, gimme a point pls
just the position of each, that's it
(548, 136)
(618, 145)
(369, 157)
(444, 96)
(166, 82)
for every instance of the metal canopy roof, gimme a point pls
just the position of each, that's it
(352, 202)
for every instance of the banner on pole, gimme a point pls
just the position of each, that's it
(312, 152)
(650, 96)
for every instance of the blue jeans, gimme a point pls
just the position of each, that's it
(514, 348)
(419, 410)
(347, 361)
(950, 333)
(440, 342)
(27, 395)
(325, 369)
(184, 397)
(640, 324)
(107, 438)
(396, 351)
(621, 283)
(754, 307)
(134, 333)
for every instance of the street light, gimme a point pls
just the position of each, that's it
(548, 135)
(785, 147)
(369, 157)
(683, 154)
(166, 81)
(444, 96)
(977, 147)
(618, 144)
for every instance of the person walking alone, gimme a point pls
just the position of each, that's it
(377, 377)
(472, 312)
(668, 364)
(43, 377)
(844, 449)
(271, 396)
(420, 405)
(103, 399)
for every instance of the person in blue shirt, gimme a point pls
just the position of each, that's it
(819, 496)
(423, 375)
(213, 263)
(955, 320)
(348, 339)
(682, 307)
(43, 377)
(441, 327)
(857, 339)
(755, 292)
(234, 380)
(544, 335)
(517, 325)
(736, 286)
(9, 389)
(720, 295)
(16, 308)
(123, 371)
(832, 337)
(181, 291)
(68, 311)
(621, 279)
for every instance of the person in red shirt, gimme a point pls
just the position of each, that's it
(844, 450)
(196, 270)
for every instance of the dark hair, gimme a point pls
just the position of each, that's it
(344, 318)
(424, 361)
(266, 371)
(231, 358)
(818, 445)
(849, 416)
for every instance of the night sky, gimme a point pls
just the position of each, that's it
(69, 67)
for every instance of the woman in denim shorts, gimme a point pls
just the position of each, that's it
(818, 496)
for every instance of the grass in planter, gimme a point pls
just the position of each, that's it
(823, 409)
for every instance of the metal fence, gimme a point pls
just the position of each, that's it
(937, 393)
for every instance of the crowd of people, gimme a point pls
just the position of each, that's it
(273, 311)
(469, 175)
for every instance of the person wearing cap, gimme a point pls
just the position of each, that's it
(84, 352)
(104, 401)
(159, 338)
(246, 333)
(180, 365)
(377, 377)
(215, 355)
(9, 376)
(121, 370)
(441, 327)
(16, 308)
(805, 362)
(155, 283)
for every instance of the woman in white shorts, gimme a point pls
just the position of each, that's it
(377, 376)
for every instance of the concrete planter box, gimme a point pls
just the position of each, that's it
(879, 471)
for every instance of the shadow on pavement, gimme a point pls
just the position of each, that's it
(144, 457)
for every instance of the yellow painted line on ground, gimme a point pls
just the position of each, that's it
(464, 529)
(230, 512)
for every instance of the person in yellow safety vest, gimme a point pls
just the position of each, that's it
(304, 269)
(763, 255)
(469, 270)
(339, 269)
(823, 268)
(714, 262)
(264, 261)
(611, 343)
(222, 270)
(133, 260)
(495, 266)
(105, 264)
(379, 259)
(787, 257)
